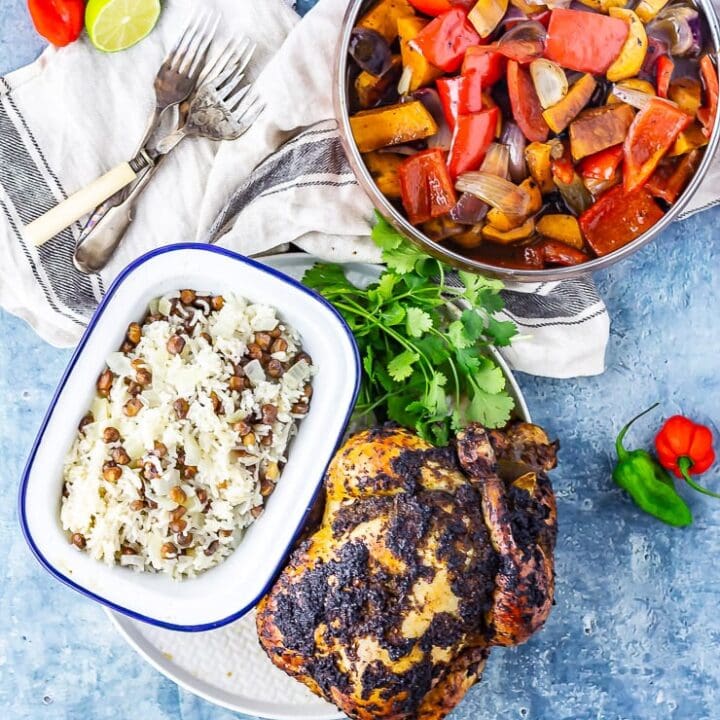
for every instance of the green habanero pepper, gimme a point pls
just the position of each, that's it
(649, 485)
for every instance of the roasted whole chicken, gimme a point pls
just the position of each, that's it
(425, 558)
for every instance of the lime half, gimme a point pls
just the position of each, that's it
(118, 24)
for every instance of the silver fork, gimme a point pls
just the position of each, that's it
(174, 83)
(105, 230)
(220, 110)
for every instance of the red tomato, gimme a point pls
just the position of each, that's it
(58, 21)
(650, 136)
(617, 218)
(431, 7)
(602, 165)
(584, 41)
(426, 187)
(526, 107)
(484, 62)
(444, 40)
(471, 139)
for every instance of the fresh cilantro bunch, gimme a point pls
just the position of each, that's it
(424, 358)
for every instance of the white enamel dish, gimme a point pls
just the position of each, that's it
(228, 591)
(227, 667)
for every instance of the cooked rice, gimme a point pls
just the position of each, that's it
(130, 520)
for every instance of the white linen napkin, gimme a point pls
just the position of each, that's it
(74, 113)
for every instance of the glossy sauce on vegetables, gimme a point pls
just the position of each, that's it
(604, 111)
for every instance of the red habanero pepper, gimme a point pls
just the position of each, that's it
(686, 448)
(471, 139)
(485, 63)
(583, 41)
(707, 114)
(59, 21)
(426, 187)
(459, 95)
(525, 105)
(665, 68)
(444, 40)
(651, 134)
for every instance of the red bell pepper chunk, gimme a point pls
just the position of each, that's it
(543, 17)
(584, 41)
(664, 69)
(563, 169)
(651, 134)
(707, 114)
(426, 187)
(602, 165)
(460, 95)
(525, 104)
(444, 40)
(558, 253)
(668, 181)
(471, 139)
(485, 63)
(617, 218)
(431, 7)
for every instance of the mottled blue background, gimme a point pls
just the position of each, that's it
(636, 630)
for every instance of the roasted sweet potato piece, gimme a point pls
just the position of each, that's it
(391, 125)
(384, 169)
(559, 116)
(599, 128)
(371, 88)
(504, 222)
(383, 17)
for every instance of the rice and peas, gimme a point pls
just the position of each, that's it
(187, 435)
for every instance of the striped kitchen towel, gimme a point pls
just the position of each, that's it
(75, 113)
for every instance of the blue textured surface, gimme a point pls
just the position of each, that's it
(636, 630)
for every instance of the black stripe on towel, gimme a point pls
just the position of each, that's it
(31, 196)
(291, 166)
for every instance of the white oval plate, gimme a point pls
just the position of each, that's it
(227, 667)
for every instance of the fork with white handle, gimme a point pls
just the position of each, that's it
(221, 109)
(176, 80)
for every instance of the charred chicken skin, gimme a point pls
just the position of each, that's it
(425, 558)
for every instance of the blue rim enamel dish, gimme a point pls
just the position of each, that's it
(228, 591)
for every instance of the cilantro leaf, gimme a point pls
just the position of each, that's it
(400, 367)
(490, 377)
(501, 331)
(417, 322)
(403, 258)
(327, 278)
(493, 411)
(457, 335)
(394, 314)
(384, 235)
(473, 324)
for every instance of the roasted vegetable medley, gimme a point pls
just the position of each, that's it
(529, 135)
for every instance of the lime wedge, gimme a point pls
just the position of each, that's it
(118, 24)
